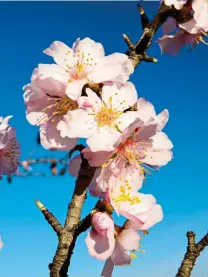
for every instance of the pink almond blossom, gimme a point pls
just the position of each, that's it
(124, 197)
(9, 147)
(142, 144)
(100, 120)
(127, 239)
(100, 240)
(74, 165)
(189, 33)
(84, 63)
(47, 103)
(146, 220)
(104, 241)
(127, 243)
(101, 180)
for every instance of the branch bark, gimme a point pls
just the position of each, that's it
(52, 220)
(193, 252)
(69, 233)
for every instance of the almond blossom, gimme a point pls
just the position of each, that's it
(189, 33)
(123, 196)
(127, 239)
(100, 120)
(47, 103)
(141, 145)
(100, 240)
(9, 147)
(104, 240)
(127, 243)
(84, 63)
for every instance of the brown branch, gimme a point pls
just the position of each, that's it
(143, 16)
(137, 52)
(193, 252)
(68, 236)
(202, 243)
(52, 220)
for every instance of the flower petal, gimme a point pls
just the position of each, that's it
(51, 138)
(99, 246)
(120, 256)
(99, 184)
(74, 165)
(161, 142)
(126, 119)
(121, 99)
(157, 158)
(96, 159)
(161, 119)
(115, 67)
(145, 204)
(129, 239)
(58, 50)
(50, 71)
(74, 88)
(151, 217)
(76, 124)
(108, 268)
(90, 48)
(146, 132)
(169, 25)
(103, 139)
(145, 109)
(190, 26)
(173, 43)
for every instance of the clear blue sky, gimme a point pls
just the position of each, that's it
(176, 83)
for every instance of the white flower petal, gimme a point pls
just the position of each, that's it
(103, 139)
(76, 124)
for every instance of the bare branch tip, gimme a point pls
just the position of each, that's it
(140, 8)
(40, 205)
(128, 42)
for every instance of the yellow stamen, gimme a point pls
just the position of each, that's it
(106, 116)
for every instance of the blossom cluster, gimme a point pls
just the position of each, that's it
(191, 32)
(123, 134)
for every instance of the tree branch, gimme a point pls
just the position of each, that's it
(193, 252)
(52, 220)
(137, 52)
(202, 243)
(68, 236)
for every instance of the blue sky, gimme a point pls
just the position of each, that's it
(176, 83)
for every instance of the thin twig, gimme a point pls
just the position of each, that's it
(52, 220)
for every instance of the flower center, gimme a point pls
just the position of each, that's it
(83, 63)
(106, 116)
(60, 107)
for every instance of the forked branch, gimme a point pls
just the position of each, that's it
(193, 251)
